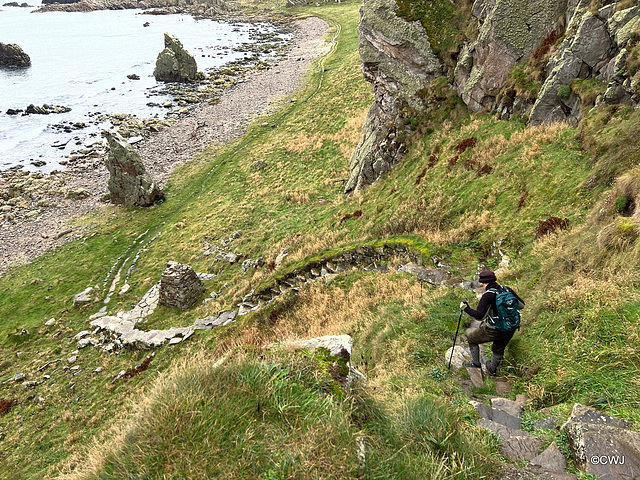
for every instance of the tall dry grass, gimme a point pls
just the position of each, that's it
(325, 309)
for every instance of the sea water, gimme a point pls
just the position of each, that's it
(82, 60)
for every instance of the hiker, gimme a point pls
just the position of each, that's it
(493, 328)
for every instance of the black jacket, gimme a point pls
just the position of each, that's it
(487, 304)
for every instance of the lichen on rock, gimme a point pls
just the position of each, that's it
(398, 60)
(129, 183)
(510, 30)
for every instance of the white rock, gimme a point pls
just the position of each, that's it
(81, 335)
(50, 322)
(125, 288)
(72, 359)
(83, 297)
(85, 342)
(338, 345)
(280, 258)
(460, 355)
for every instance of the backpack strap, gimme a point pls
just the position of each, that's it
(489, 319)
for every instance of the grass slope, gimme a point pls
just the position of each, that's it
(280, 414)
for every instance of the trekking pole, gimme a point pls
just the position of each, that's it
(454, 340)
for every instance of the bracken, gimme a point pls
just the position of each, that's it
(5, 405)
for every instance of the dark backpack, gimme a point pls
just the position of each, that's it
(507, 318)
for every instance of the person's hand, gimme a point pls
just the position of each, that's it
(463, 305)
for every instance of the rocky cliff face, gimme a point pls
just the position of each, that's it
(398, 61)
(510, 30)
(570, 40)
(594, 47)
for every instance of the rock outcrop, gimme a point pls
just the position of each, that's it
(12, 55)
(603, 445)
(174, 63)
(129, 184)
(337, 346)
(209, 8)
(398, 61)
(594, 47)
(510, 30)
(597, 43)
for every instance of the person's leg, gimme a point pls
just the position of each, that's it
(497, 351)
(475, 337)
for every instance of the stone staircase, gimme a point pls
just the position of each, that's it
(601, 445)
(502, 417)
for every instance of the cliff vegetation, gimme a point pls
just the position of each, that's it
(552, 206)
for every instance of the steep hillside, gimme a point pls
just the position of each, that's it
(452, 188)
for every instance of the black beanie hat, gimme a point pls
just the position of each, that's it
(487, 276)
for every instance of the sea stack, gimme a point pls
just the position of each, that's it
(174, 63)
(129, 183)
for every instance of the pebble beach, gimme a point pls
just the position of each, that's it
(34, 224)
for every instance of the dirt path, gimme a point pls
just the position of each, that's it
(29, 229)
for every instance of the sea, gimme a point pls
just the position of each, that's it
(82, 61)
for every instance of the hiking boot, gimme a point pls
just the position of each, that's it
(492, 365)
(474, 351)
(471, 364)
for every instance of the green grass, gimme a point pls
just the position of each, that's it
(254, 416)
(287, 415)
(444, 22)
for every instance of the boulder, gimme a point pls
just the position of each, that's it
(517, 445)
(129, 184)
(459, 356)
(84, 297)
(12, 55)
(46, 109)
(338, 345)
(602, 444)
(174, 63)
(281, 256)
(247, 264)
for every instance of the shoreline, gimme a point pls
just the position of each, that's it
(44, 225)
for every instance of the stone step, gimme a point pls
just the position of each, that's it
(516, 444)
(510, 407)
(475, 374)
(550, 459)
(497, 415)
